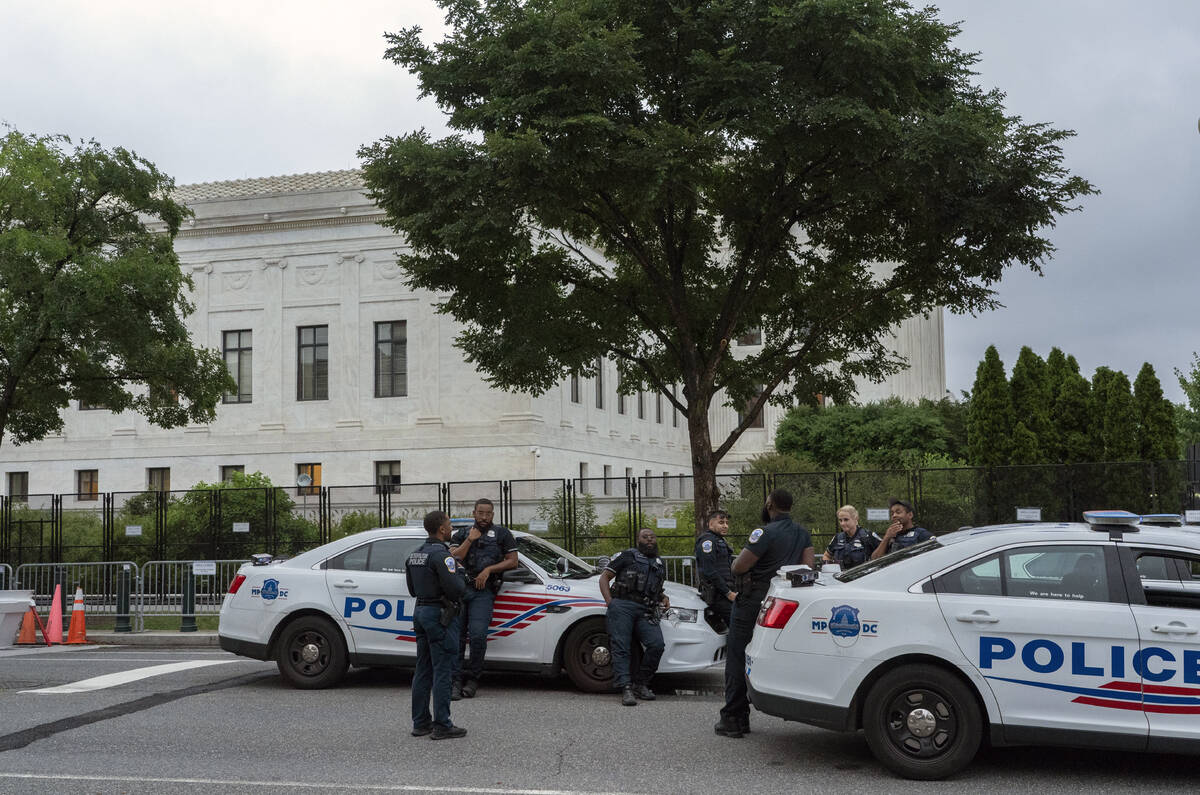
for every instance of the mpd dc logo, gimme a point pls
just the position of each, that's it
(270, 591)
(845, 626)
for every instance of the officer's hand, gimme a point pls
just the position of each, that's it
(827, 557)
(475, 533)
(731, 596)
(894, 530)
(481, 581)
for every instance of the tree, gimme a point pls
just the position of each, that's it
(1119, 420)
(1031, 404)
(647, 182)
(1073, 419)
(93, 300)
(1188, 417)
(1157, 434)
(990, 416)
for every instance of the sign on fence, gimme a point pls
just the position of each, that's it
(133, 529)
(666, 524)
(241, 527)
(539, 526)
(202, 568)
(877, 514)
(1191, 517)
(1029, 514)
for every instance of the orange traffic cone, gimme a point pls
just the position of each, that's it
(53, 628)
(28, 629)
(78, 631)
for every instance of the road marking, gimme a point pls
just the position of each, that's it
(125, 677)
(301, 785)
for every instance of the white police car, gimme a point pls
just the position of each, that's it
(347, 602)
(1079, 635)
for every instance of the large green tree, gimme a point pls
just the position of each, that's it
(1157, 435)
(1031, 397)
(990, 419)
(1188, 416)
(1073, 417)
(92, 300)
(647, 181)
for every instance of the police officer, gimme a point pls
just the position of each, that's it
(779, 542)
(901, 533)
(713, 558)
(852, 545)
(637, 576)
(434, 579)
(486, 550)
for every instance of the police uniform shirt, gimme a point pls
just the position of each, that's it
(780, 543)
(656, 571)
(713, 558)
(914, 536)
(432, 572)
(490, 548)
(852, 550)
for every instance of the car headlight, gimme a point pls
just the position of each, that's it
(684, 614)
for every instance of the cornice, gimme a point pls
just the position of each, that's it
(277, 226)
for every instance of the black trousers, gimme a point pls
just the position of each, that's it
(741, 627)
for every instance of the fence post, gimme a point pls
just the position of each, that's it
(188, 624)
(122, 619)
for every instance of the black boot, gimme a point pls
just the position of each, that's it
(643, 692)
(456, 693)
(628, 699)
(469, 687)
(728, 727)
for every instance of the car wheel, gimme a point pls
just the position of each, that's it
(312, 653)
(587, 656)
(922, 722)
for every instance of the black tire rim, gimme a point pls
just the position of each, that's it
(921, 723)
(586, 656)
(309, 653)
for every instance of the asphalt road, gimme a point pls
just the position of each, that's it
(231, 724)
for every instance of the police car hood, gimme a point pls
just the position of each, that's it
(683, 596)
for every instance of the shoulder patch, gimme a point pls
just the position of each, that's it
(706, 545)
(450, 563)
(756, 534)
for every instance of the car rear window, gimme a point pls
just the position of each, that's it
(872, 566)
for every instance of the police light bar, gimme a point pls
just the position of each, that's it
(1163, 519)
(1102, 519)
(260, 559)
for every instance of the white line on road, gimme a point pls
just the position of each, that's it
(125, 677)
(307, 785)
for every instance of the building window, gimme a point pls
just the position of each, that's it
(753, 337)
(312, 363)
(87, 484)
(311, 472)
(18, 485)
(620, 403)
(648, 484)
(607, 479)
(599, 383)
(158, 479)
(227, 472)
(757, 421)
(574, 388)
(666, 484)
(391, 359)
(658, 407)
(85, 406)
(239, 356)
(583, 470)
(641, 406)
(674, 411)
(387, 477)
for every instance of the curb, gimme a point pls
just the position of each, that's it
(162, 638)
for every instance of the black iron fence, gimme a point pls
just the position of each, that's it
(588, 516)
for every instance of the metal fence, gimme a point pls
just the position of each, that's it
(680, 568)
(5, 577)
(587, 516)
(172, 588)
(108, 587)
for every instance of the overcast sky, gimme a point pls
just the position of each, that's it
(225, 90)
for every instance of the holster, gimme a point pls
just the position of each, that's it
(448, 612)
(708, 592)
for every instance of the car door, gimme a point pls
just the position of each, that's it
(519, 616)
(1165, 599)
(1048, 627)
(370, 594)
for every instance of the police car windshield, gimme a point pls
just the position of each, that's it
(546, 556)
(887, 560)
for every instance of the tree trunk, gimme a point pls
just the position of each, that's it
(705, 496)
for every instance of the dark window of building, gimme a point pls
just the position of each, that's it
(391, 359)
(312, 363)
(599, 383)
(18, 485)
(620, 404)
(674, 411)
(387, 476)
(227, 471)
(158, 479)
(87, 484)
(239, 356)
(574, 388)
(313, 473)
(641, 406)
(658, 407)
(757, 421)
(85, 406)
(751, 338)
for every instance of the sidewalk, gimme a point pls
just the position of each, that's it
(157, 637)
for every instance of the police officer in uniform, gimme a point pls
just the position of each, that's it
(434, 579)
(779, 542)
(633, 598)
(713, 558)
(901, 533)
(486, 551)
(852, 545)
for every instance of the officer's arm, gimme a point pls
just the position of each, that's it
(606, 577)
(509, 562)
(808, 557)
(708, 568)
(464, 546)
(453, 585)
(744, 562)
(882, 549)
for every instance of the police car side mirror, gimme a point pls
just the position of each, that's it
(562, 566)
(521, 574)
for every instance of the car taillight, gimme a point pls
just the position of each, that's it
(237, 583)
(775, 612)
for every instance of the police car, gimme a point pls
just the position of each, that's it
(347, 603)
(1080, 635)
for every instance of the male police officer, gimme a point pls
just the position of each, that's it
(779, 542)
(713, 558)
(901, 533)
(486, 550)
(632, 599)
(434, 580)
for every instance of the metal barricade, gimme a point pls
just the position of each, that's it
(5, 577)
(166, 586)
(680, 568)
(103, 585)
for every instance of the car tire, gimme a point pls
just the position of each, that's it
(312, 653)
(922, 722)
(587, 656)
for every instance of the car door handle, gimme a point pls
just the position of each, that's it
(978, 617)
(1174, 629)
(345, 584)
